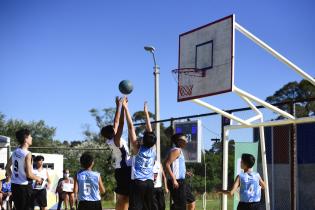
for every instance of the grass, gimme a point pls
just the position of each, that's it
(211, 204)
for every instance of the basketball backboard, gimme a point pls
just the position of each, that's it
(205, 62)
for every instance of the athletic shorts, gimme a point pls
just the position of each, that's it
(123, 179)
(39, 198)
(248, 206)
(141, 195)
(22, 196)
(89, 205)
(180, 196)
(158, 199)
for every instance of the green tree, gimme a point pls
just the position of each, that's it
(295, 91)
(42, 134)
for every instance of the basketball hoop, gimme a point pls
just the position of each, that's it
(186, 78)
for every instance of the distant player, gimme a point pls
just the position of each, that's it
(22, 175)
(176, 168)
(39, 195)
(88, 185)
(158, 192)
(5, 193)
(250, 184)
(141, 194)
(120, 156)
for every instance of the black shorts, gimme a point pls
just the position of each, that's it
(39, 198)
(248, 206)
(190, 198)
(22, 196)
(123, 179)
(158, 199)
(89, 205)
(180, 196)
(141, 195)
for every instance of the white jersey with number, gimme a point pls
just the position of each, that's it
(18, 167)
(42, 174)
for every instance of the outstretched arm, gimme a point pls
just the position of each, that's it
(236, 185)
(117, 113)
(131, 130)
(120, 127)
(148, 126)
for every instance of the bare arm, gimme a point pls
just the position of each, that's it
(8, 167)
(117, 113)
(75, 187)
(148, 126)
(236, 185)
(131, 130)
(101, 185)
(48, 180)
(29, 167)
(170, 159)
(262, 183)
(120, 128)
(164, 179)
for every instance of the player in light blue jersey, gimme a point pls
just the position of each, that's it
(249, 183)
(142, 175)
(88, 185)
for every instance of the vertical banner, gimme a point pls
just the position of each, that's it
(240, 148)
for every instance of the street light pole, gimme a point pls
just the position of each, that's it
(156, 73)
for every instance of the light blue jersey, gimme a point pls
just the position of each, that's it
(250, 190)
(142, 164)
(178, 166)
(88, 185)
(6, 186)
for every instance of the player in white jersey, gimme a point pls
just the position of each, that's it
(22, 175)
(158, 192)
(39, 196)
(120, 156)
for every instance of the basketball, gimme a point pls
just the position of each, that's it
(125, 87)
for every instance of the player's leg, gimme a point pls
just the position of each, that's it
(178, 195)
(1, 199)
(122, 202)
(190, 199)
(148, 195)
(122, 176)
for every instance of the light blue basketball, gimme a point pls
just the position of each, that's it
(125, 87)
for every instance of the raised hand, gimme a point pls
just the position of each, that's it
(145, 108)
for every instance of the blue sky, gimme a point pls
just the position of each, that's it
(58, 59)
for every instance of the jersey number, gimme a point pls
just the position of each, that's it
(16, 168)
(87, 188)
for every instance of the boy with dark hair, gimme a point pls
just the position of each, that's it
(88, 185)
(142, 165)
(250, 184)
(176, 168)
(120, 155)
(39, 195)
(22, 175)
